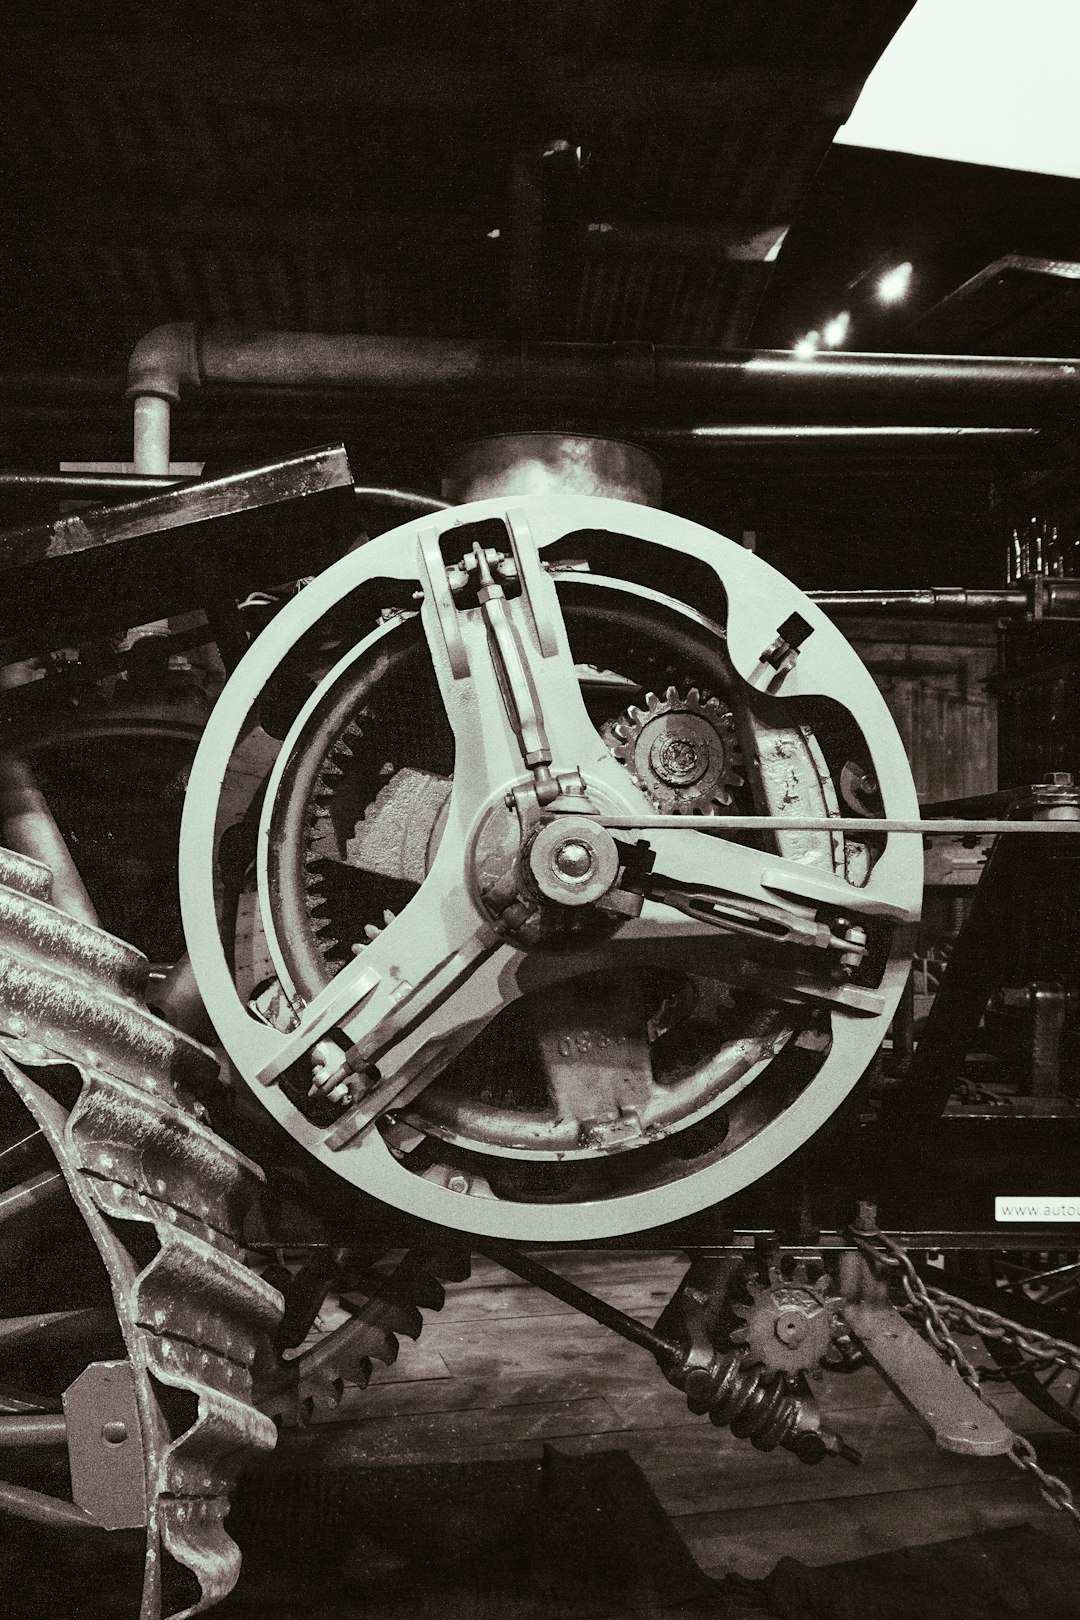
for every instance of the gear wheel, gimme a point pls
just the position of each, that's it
(791, 1322)
(680, 749)
(379, 1306)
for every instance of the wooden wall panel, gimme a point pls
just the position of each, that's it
(933, 676)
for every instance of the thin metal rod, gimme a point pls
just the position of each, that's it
(31, 1196)
(737, 435)
(560, 1288)
(21, 1152)
(42, 1509)
(29, 1429)
(14, 1401)
(955, 828)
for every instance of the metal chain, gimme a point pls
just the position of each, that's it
(938, 1311)
(1038, 1347)
(886, 1249)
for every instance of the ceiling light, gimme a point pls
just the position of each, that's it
(834, 332)
(894, 284)
(807, 346)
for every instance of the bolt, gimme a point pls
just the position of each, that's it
(458, 1184)
(114, 1433)
(856, 938)
(573, 860)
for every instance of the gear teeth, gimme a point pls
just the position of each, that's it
(330, 769)
(671, 695)
(692, 700)
(742, 1311)
(373, 930)
(739, 1336)
(652, 702)
(754, 1288)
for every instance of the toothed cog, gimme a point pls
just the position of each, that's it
(790, 1322)
(681, 749)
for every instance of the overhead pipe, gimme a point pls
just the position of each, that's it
(1037, 597)
(179, 356)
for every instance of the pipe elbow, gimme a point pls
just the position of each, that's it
(163, 360)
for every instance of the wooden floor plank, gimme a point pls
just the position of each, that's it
(445, 1436)
(749, 1542)
(504, 1370)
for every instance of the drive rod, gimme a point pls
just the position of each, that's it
(946, 828)
(530, 1271)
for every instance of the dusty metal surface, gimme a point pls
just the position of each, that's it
(163, 1197)
(108, 1476)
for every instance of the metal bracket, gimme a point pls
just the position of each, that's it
(104, 1449)
(951, 1413)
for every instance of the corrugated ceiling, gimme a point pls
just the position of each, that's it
(382, 167)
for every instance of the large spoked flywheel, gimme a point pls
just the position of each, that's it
(437, 918)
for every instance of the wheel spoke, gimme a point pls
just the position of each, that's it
(1028, 1278)
(22, 1152)
(758, 966)
(765, 881)
(50, 1329)
(26, 1431)
(52, 1511)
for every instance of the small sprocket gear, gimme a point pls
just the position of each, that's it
(791, 1322)
(681, 749)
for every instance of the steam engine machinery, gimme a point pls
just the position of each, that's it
(550, 873)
